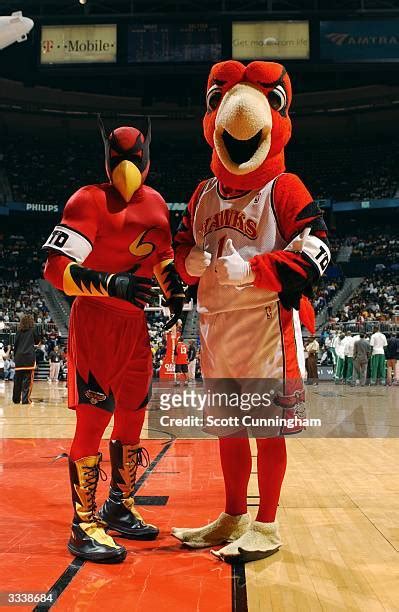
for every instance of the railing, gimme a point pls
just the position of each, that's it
(7, 335)
(368, 327)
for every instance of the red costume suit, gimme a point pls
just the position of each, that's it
(112, 238)
(254, 241)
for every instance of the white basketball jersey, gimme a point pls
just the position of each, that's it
(250, 222)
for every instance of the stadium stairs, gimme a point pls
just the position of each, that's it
(190, 330)
(42, 371)
(57, 305)
(343, 295)
(344, 253)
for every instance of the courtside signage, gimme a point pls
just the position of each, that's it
(78, 44)
(266, 40)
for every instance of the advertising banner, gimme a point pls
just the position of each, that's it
(78, 44)
(359, 41)
(268, 40)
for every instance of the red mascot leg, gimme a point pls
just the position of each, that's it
(126, 455)
(235, 457)
(128, 424)
(91, 422)
(272, 462)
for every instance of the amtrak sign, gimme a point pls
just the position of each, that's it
(359, 41)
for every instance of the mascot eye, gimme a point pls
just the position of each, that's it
(277, 98)
(213, 98)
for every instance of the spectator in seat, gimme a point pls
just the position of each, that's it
(9, 368)
(3, 356)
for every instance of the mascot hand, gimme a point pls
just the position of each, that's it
(231, 269)
(175, 304)
(137, 290)
(197, 261)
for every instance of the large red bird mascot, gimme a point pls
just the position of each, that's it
(112, 238)
(254, 241)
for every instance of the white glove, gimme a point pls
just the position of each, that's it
(197, 261)
(231, 269)
(296, 245)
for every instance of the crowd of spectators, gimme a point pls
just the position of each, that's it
(155, 322)
(21, 257)
(338, 173)
(21, 261)
(374, 300)
(382, 247)
(38, 173)
(45, 176)
(17, 299)
(325, 291)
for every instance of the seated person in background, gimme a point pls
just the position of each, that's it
(9, 368)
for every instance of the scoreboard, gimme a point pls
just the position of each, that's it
(190, 42)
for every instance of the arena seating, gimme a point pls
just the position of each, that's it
(50, 172)
(339, 172)
(374, 300)
(375, 247)
(325, 291)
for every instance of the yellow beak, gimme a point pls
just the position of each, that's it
(126, 178)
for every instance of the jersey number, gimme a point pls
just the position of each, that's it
(58, 239)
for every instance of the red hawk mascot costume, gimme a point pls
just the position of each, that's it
(255, 242)
(112, 239)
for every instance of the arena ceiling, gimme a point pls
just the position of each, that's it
(220, 7)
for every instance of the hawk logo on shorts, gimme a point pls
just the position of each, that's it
(95, 397)
(268, 311)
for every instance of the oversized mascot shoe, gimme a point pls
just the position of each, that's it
(89, 539)
(226, 528)
(119, 512)
(259, 542)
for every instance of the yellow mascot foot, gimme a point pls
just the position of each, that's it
(260, 541)
(226, 528)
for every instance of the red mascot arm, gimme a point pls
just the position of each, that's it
(71, 242)
(165, 268)
(184, 238)
(292, 272)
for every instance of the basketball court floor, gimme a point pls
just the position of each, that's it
(339, 516)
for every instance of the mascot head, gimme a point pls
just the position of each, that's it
(247, 123)
(127, 158)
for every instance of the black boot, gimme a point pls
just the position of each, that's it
(88, 539)
(119, 512)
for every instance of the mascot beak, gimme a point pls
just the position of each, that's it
(243, 128)
(126, 178)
